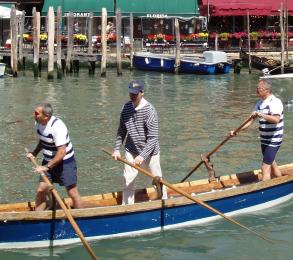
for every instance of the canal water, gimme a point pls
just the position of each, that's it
(195, 114)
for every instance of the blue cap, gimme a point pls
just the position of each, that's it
(135, 87)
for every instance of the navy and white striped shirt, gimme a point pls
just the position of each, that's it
(140, 128)
(52, 135)
(270, 134)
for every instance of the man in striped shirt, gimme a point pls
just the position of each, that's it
(58, 155)
(139, 126)
(269, 110)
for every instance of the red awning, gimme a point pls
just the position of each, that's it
(241, 7)
(276, 7)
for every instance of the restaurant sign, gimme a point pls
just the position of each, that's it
(157, 15)
(79, 14)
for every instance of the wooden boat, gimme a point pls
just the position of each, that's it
(154, 62)
(104, 217)
(2, 69)
(213, 62)
(261, 63)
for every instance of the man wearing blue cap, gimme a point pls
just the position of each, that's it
(139, 125)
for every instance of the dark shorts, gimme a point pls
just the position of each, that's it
(65, 173)
(269, 153)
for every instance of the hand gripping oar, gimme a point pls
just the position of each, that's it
(66, 211)
(194, 199)
(216, 148)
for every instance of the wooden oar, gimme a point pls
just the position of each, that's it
(194, 199)
(66, 210)
(216, 148)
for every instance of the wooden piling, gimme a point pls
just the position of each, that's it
(249, 52)
(131, 40)
(36, 42)
(70, 24)
(20, 41)
(58, 41)
(104, 43)
(14, 32)
(50, 42)
(216, 42)
(118, 42)
(177, 53)
(91, 64)
(75, 65)
(282, 38)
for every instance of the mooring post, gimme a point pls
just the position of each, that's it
(14, 32)
(104, 42)
(91, 63)
(20, 41)
(50, 42)
(118, 42)
(59, 44)
(70, 24)
(36, 42)
(131, 40)
(177, 53)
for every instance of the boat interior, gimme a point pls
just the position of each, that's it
(148, 194)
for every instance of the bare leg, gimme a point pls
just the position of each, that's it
(275, 170)
(266, 171)
(73, 193)
(41, 203)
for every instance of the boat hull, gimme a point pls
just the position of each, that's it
(129, 221)
(2, 69)
(160, 64)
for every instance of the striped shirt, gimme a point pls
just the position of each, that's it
(52, 135)
(270, 134)
(140, 128)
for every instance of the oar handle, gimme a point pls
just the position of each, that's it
(208, 155)
(185, 194)
(65, 209)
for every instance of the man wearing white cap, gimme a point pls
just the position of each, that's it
(139, 125)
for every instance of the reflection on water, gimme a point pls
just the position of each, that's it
(195, 114)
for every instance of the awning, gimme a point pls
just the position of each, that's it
(5, 12)
(276, 7)
(235, 7)
(80, 8)
(158, 8)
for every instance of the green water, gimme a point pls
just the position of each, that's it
(195, 114)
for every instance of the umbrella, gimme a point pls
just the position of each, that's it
(5, 12)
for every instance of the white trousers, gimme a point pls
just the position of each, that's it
(129, 175)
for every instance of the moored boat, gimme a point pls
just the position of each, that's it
(213, 62)
(155, 62)
(104, 217)
(2, 69)
(261, 63)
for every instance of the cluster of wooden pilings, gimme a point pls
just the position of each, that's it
(65, 62)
